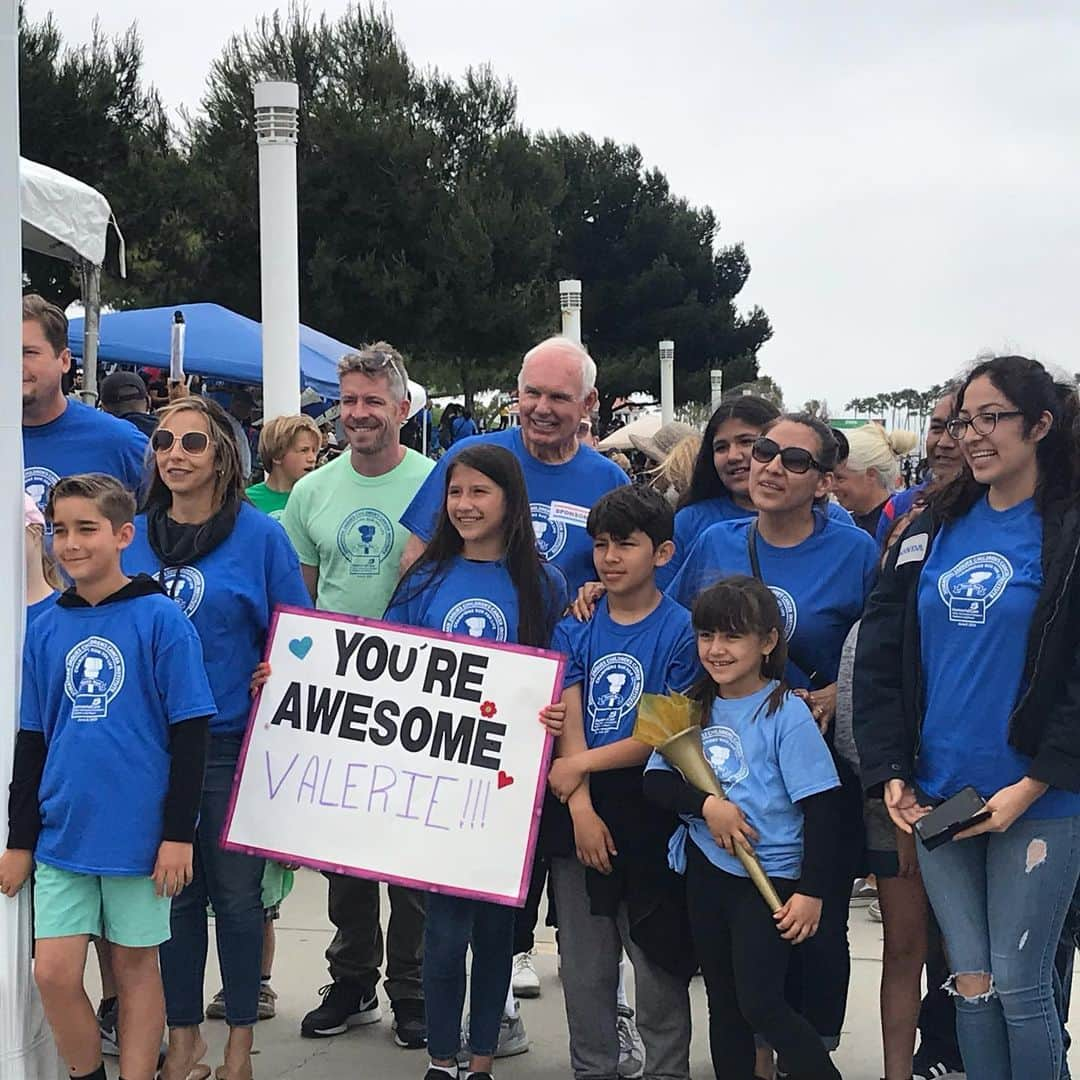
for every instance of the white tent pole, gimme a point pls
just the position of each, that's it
(26, 1049)
(91, 298)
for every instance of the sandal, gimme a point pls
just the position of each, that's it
(224, 1074)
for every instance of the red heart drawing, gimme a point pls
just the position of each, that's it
(505, 779)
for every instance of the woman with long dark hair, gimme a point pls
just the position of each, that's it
(821, 571)
(226, 565)
(480, 576)
(967, 675)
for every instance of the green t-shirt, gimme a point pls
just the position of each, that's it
(347, 525)
(268, 501)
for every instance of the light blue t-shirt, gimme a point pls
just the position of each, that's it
(229, 595)
(81, 440)
(821, 585)
(615, 663)
(766, 764)
(473, 599)
(977, 596)
(691, 521)
(103, 684)
(560, 497)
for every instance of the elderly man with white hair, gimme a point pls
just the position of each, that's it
(564, 478)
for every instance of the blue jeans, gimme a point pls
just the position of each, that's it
(453, 923)
(1001, 899)
(230, 882)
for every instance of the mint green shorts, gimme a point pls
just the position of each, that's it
(123, 910)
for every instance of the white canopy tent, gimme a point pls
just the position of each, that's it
(644, 427)
(65, 218)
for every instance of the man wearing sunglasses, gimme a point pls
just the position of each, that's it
(62, 436)
(343, 522)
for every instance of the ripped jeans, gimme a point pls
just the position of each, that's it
(1001, 899)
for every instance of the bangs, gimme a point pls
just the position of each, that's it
(737, 605)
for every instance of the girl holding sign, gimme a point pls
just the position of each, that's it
(481, 577)
(226, 565)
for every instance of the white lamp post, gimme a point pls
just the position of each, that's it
(570, 304)
(26, 1047)
(277, 107)
(667, 381)
(716, 386)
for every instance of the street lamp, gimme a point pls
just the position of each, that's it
(570, 305)
(667, 381)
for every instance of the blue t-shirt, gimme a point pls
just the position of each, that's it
(691, 521)
(104, 684)
(473, 599)
(977, 595)
(615, 663)
(229, 595)
(560, 496)
(896, 507)
(35, 611)
(81, 440)
(821, 585)
(766, 764)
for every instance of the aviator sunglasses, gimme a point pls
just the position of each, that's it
(191, 442)
(794, 458)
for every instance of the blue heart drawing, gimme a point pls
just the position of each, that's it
(300, 647)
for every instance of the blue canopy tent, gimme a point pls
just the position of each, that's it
(218, 343)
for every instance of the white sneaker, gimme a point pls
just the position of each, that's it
(525, 981)
(874, 910)
(631, 1048)
(513, 1038)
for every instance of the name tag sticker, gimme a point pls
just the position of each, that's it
(569, 514)
(913, 549)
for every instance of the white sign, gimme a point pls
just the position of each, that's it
(397, 754)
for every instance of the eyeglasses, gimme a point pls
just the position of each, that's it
(981, 423)
(794, 458)
(191, 442)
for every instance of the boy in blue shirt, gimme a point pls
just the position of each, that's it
(618, 891)
(108, 773)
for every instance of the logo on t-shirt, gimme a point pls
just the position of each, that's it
(38, 482)
(970, 588)
(366, 538)
(476, 618)
(550, 532)
(186, 585)
(724, 753)
(788, 611)
(615, 685)
(94, 676)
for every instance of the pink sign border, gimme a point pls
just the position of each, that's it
(356, 871)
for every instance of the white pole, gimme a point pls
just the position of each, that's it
(276, 120)
(716, 386)
(91, 297)
(570, 304)
(26, 1049)
(667, 381)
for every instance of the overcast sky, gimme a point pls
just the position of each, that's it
(907, 186)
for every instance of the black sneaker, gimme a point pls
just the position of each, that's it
(344, 1005)
(930, 1065)
(410, 1024)
(435, 1073)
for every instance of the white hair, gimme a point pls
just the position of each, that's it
(872, 447)
(569, 347)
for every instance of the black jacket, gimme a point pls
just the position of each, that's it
(888, 683)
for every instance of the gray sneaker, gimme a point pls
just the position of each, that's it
(107, 1024)
(215, 1010)
(513, 1039)
(631, 1048)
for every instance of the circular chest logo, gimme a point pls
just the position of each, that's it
(615, 685)
(38, 482)
(186, 586)
(788, 611)
(724, 753)
(94, 675)
(365, 539)
(476, 618)
(550, 533)
(972, 586)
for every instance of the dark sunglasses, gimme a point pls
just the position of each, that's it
(794, 458)
(191, 442)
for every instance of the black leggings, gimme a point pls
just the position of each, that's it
(745, 960)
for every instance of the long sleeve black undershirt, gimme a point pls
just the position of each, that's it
(187, 752)
(670, 791)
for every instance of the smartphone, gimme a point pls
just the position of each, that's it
(966, 808)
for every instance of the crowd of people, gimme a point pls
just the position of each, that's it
(857, 653)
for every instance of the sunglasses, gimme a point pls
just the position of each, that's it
(373, 361)
(191, 442)
(794, 458)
